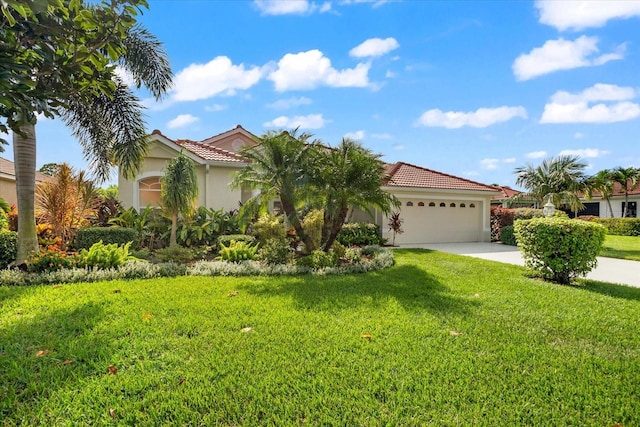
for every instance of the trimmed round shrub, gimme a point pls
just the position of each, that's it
(620, 226)
(507, 237)
(8, 247)
(527, 213)
(500, 217)
(276, 251)
(559, 249)
(360, 234)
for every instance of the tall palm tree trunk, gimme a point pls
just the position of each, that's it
(24, 155)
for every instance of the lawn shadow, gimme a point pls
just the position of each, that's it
(610, 289)
(413, 288)
(71, 353)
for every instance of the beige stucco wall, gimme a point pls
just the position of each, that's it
(8, 191)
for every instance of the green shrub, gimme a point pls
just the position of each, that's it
(360, 234)
(8, 247)
(276, 251)
(174, 253)
(527, 213)
(50, 259)
(4, 220)
(237, 251)
(352, 255)
(317, 260)
(144, 254)
(507, 237)
(312, 226)
(500, 217)
(557, 248)
(228, 238)
(372, 250)
(103, 256)
(620, 226)
(268, 226)
(87, 237)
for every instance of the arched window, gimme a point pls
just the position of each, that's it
(462, 205)
(420, 203)
(149, 191)
(472, 205)
(409, 203)
(432, 204)
(452, 205)
(443, 205)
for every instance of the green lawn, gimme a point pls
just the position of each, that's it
(453, 341)
(623, 247)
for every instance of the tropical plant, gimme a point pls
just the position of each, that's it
(602, 183)
(66, 201)
(395, 225)
(60, 59)
(238, 251)
(179, 191)
(556, 179)
(629, 180)
(280, 167)
(5, 208)
(103, 256)
(350, 178)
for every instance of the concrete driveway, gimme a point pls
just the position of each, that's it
(608, 270)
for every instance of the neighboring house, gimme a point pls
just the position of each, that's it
(598, 207)
(436, 207)
(8, 181)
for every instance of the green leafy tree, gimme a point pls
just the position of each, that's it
(557, 179)
(59, 59)
(281, 168)
(602, 183)
(350, 178)
(629, 180)
(49, 169)
(179, 190)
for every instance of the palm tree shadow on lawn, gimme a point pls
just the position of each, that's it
(610, 289)
(72, 353)
(413, 288)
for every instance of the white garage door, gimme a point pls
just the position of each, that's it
(440, 221)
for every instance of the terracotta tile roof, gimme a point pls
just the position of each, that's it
(506, 192)
(208, 152)
(618, 191)
(407, 175)
(7, 168)
(214, 138)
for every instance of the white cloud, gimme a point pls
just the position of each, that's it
(614, 105)
(399, 147)
(381, 136)
(308, 70)
(471, 173)
(480, 118)
(376, 3)
(390, 74)
(589, 153)
(182, 120)
(217, 77)
(577, 15)
(215, 108)
(285, 104)
(312, 121)
(124, 75)
(374, 47)
(556, 55)
(578, 135)
(536, 154)
(357, 135)
(289, 7)
(493, 163)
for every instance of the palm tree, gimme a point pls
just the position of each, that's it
(629, 179)
(179, 190)
(556, 179)
(602, 182)
(102, 111)
(350, 177)
(280, 168)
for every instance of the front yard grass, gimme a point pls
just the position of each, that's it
(438, 339)
(622, 247)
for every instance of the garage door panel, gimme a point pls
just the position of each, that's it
(435, 224)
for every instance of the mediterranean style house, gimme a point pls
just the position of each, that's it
(436, 207)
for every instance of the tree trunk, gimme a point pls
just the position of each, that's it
(292, 216)
(626, 205)
(336, 226)
(610, 208)
(24, 155)
(173, 241)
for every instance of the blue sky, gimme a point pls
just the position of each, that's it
(470, 88)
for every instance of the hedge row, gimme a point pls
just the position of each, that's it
(617, 226)
(8, 247)
(87, 237)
